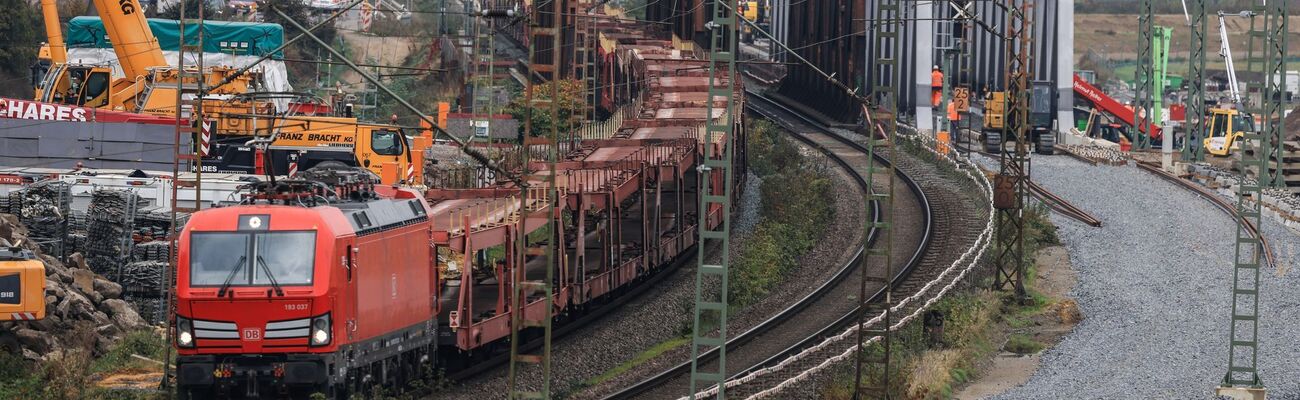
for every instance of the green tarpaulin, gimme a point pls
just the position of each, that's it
(236, 38)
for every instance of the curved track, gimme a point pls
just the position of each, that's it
(831, 306)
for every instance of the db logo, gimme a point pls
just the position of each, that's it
(252, 334)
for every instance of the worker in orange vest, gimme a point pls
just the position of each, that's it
(936, 86)
(953, 116)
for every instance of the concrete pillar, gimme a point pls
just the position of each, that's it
(1064, 65)
(924, 50)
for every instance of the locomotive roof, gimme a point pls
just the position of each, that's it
(382, 214)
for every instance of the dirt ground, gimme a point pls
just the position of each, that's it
(374, 50)
(1115, 37)
(1055, 278)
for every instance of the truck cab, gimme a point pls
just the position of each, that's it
(311, 141)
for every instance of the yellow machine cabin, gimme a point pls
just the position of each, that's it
(22, 284)
(1226, 127)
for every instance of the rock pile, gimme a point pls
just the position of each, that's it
(83, 309)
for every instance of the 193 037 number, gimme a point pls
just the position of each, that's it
(295, 307)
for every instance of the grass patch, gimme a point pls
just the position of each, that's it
(71, 374)
(143, 343)
(796, 205)
(1022, 344)
(638, 360)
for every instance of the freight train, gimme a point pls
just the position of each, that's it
(328, 285)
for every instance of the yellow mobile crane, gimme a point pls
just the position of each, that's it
(149, 85)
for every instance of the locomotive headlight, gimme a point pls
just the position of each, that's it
(320, 330)
(184, 332)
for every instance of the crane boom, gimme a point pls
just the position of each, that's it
(1225, 50)
(54, 32)
(134, 43)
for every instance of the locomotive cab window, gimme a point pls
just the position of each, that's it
(252, 259)
(386, 142)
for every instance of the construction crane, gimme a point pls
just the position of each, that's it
(149, 85)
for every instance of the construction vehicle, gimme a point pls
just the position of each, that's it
(22, 290)
(754, 12)
(22, 284)
(1227, 126)
(231, 100)
(1103, 102)
(993, 132)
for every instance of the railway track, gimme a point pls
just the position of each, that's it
(941, 218)
(819, 308)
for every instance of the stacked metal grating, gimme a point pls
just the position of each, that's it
(109, 229)
(45, 207)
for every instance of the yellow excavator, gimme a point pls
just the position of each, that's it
(148, 85)
(22, 284)
(1225, 127)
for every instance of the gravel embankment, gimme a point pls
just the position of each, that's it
(1154, 288)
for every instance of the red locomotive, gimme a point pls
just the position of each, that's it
(291, 300)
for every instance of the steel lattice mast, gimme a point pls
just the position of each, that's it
(1274, 89)
(1145, 80)
(881, 125)
(1194, 122)
(484, 72)
(544, 31)
(1009, 195)
(715, 171)
(1242, 380)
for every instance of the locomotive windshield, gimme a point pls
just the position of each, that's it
(225, 259)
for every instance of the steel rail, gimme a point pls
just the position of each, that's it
(808, 300)
(1218, 201)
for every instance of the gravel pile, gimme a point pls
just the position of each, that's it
(1154, 287)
